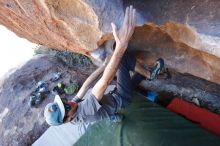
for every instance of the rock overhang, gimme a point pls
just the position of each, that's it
(184, 33)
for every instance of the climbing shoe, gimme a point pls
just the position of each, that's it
(35, 99)
(42, 87)
(158, 67)
(41, 84)
(38, 98)
(32, 100)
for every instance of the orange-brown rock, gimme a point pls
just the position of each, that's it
(185, 33)
(177, 50)
(75, 25)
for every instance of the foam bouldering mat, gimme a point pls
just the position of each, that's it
(148, 124)
(199, 115)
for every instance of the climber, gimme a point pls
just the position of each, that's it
(97, 106)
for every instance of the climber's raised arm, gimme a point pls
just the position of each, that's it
(122, 38)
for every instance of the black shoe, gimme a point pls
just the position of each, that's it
(35, 99)
(158, 67)
(39, 98)
(31, 100)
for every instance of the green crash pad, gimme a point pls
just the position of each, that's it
(148, 124)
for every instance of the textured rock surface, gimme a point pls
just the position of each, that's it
(186, 34)
(181, 86)
(76, 25)
(20, 125)
(155, 42)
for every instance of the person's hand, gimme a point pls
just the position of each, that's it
(123, 35)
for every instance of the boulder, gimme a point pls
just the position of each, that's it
(156, 42)
(21, 124)
(185, 34)
(77, 25)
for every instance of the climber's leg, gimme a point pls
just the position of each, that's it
(126, 83)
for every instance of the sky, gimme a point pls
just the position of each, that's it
(13, 50)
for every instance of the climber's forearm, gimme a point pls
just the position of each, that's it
(122, 37)
(87, 84)
(112, 67)
(109, 73)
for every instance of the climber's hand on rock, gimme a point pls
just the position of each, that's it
(123, 35)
